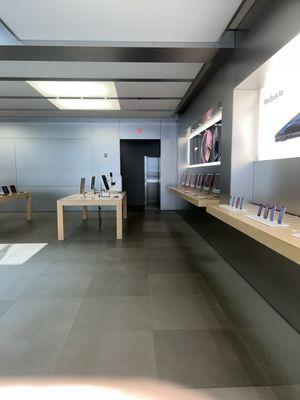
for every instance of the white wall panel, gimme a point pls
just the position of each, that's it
(168, 165)
(7, 162)
(7, 170)
(52, 162)
(244, 142)
(49, 158)
(55, 130)
(105, 148)
(150, 130)
(45, 198)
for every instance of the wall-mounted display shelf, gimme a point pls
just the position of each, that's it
(195, 196)
(279, 239)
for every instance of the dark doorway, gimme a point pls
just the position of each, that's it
(133, 154)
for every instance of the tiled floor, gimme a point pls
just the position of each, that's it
(160, 304)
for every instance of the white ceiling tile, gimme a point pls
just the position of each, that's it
(98, 70)
(152, 89)
(86, 114)
(16, 88)
(26, 104)
(149, 104)
(119, 20)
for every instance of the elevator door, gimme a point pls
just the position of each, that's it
(152, 181)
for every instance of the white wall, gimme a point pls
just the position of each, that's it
(49, 158)
(244, 142)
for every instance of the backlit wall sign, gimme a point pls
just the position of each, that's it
(279, 107)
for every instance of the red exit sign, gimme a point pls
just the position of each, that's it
(139, 131)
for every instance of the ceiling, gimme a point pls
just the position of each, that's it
(152, 50)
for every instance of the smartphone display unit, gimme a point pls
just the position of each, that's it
(112, 181)
(242, 203)
(260, 208)
(187, 182)
(281, 214)
(196, 180)
(5, 190)
(82, 185)
(105, 182)
(193, 180)
(216, 187)
(208, 182)
(13, 189)
(199, 181)
(232, 201)
(266, 212)
(272, 213)
(183, 179)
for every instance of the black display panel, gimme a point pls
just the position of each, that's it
(216, 187)
(105, 182)
(199, 181)
(183, 179)
(13, 189)
(93, 182)
(193, 180)
(82, 185)
(208, 182)
(5, 190)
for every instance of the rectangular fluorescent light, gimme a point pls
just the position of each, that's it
(74, 88)
(86, 104)
(78, 95)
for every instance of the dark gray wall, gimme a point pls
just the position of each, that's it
(133, 168)
(273, 276)
(278, 23)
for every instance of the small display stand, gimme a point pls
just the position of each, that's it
(261, 220)
(233, 209)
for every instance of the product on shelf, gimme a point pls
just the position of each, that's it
(262, 217)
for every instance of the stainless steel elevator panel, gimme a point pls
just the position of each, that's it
(152, 181)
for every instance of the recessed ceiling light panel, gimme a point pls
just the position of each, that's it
(74, 88)
(86, 104)
(78, 95)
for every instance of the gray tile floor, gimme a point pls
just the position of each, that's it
(160, 304)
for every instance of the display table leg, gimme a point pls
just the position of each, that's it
(29, 207)
(84, 213)
(60, 222)
(119, 221)
(125, 207)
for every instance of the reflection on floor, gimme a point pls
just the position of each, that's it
(18, 253)
(161, 303)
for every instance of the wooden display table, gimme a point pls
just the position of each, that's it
(278, 239)
(20, 196)
(195, 196)
(119, 200)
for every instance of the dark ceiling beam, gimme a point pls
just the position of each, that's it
(207, 72)
(108, 54)
(87, 98)
(151, 80)
(51, 110)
